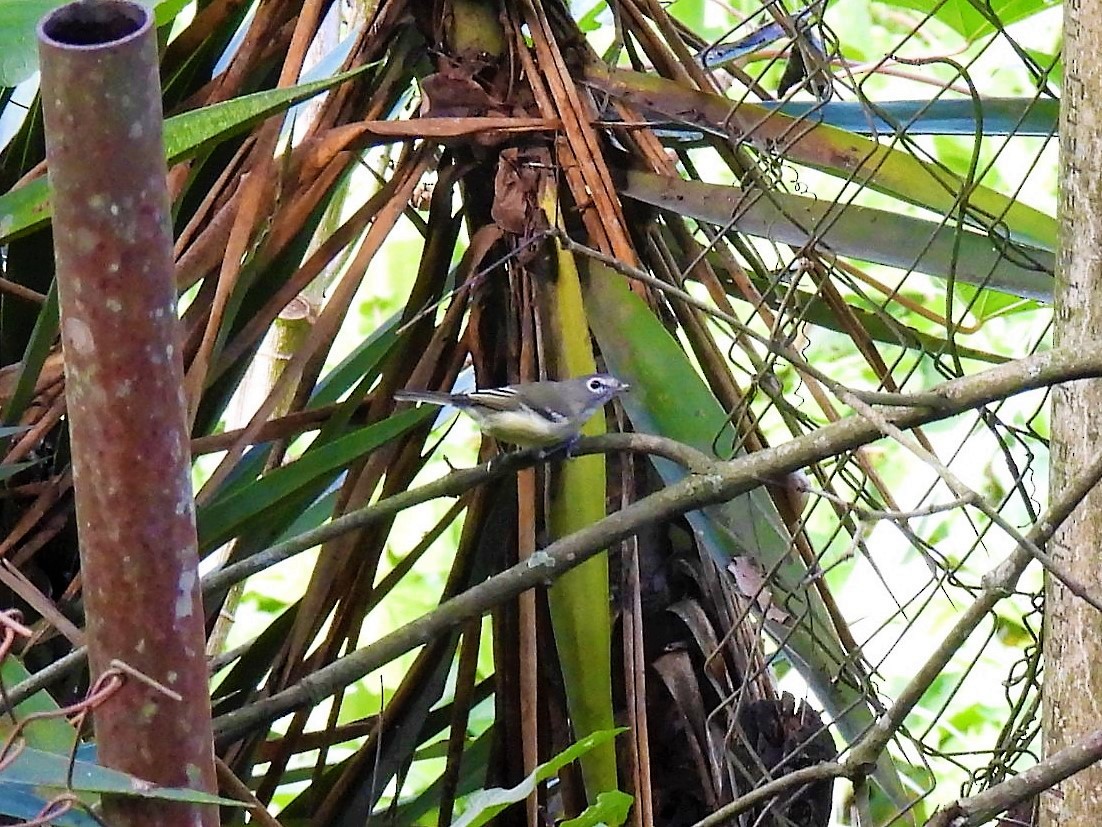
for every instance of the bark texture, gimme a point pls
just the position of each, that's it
(1073, 634)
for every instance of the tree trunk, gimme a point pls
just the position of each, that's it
(1073, 632)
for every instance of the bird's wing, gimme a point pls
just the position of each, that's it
(505, 399)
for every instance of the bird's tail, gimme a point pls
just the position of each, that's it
(432, 397)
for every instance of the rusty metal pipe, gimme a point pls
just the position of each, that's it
(124, 376)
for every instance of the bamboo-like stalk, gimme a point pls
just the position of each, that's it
(113, 242)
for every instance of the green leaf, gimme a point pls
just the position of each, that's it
(18, 47)
(167, 10)
(24, 209)
(695, 14)
(578, 601)
(19, 803)
(187, 133)
(18, 32)
(485, 804)
(852, 158)
(860, 232)
(973, 19)
(45, 771)
(590, 21)
(34, 357)
(41, 768)
(361, 363)
(53, 734)
(11, 469)
(1051, 64)
(611, 807)
(223, 518)
(27, 208)
(989, 304)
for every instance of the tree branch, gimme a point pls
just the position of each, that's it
(982, 807)
(723, 482)
(759, 795)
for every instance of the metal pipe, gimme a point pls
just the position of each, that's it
(124, 377)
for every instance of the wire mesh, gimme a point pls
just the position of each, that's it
(892, 535)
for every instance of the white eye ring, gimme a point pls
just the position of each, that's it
(595, 385)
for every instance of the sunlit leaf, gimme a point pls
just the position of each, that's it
(973, 19)
(18, 23)
(18, 47)
(191, 131)
(484, 805)
(611, 807)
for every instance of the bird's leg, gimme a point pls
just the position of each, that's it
(564, 448)
(569, 445)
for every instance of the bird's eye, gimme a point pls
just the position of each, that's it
(595, 385)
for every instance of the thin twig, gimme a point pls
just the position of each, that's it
(997, 584)
(984, 806)
(962, 491)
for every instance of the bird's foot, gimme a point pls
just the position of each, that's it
(563, 450)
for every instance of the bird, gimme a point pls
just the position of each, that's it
(531, 414)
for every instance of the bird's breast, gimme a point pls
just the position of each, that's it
(525, 429)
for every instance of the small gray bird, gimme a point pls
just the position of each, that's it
(533, 414)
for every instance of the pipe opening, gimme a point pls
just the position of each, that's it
(95, 23)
